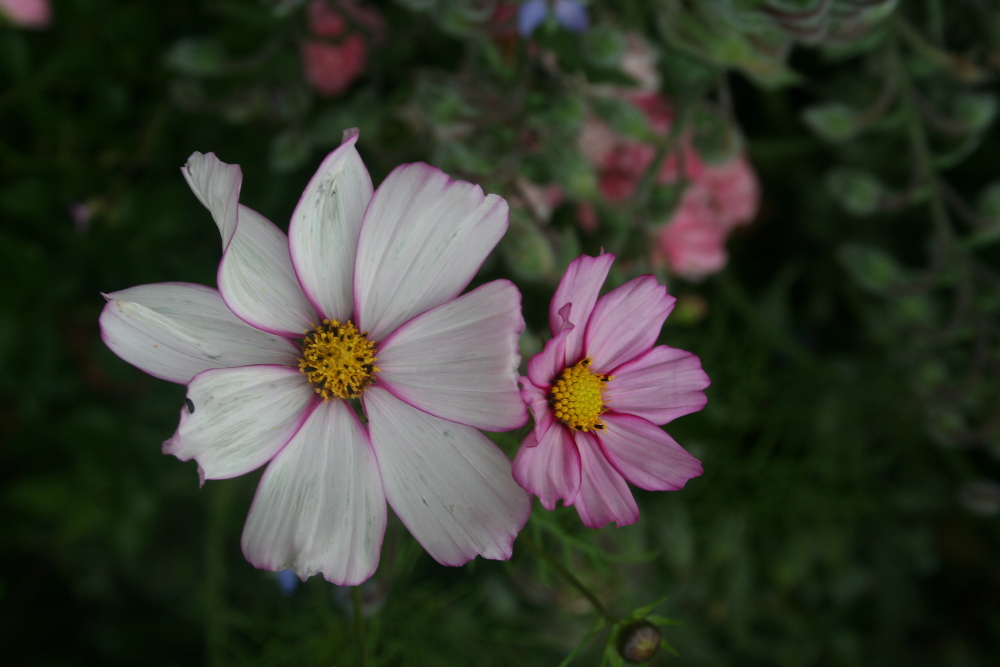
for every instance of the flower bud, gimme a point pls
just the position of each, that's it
(638, 642)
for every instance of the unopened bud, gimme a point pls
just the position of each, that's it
(639, 642)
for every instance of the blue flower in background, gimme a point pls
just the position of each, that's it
(288, 581)
(570, 14)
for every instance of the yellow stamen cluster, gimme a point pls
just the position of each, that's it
(577, 397)
(338, 359)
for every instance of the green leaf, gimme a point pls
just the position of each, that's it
(856, 190)
(834, 122)
(197, 56)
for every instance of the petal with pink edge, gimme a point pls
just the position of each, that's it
(537, 400)
(236, 419)
(258, 282)
(448, 483)
(545, 367)
(626, 322)
(580, 286)
(423, 239)
(174, 331)
(645, 455)
(459, 361)
(320, 506)
(549, 468)
(661, 385)
(217, 186)
(323, 234)
(604, 496)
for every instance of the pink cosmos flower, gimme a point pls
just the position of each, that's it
(360, 307)
(27, 13)
(734, 190)
(599, 391)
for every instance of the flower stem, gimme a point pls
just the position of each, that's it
(569, 576)
(359, 628)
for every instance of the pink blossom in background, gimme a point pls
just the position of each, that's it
(27, 13)
(599, 392)
(337, 55)
(734, 189)
(622, 161)
(361, 303)
(693, 243)
(332, 68)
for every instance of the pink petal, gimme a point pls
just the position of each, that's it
(579, 288)
(604, 496)
(661, 385)
(645, 455)
(626, 322)
(537, 400)
(459, 361)
(323, 234)
(242, 417)
(320, 506)
(258, 282)
(448, 483)
(217, 186)
(550, 467)
(544, 367)
(174, 331)
(423, 239)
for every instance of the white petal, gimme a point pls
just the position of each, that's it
(174, 331)
(448, 483)
(242, 417)
(320, 506)
(459, 361)
(423, 239)
(217, 186)
(645, 455)
(258, 282)
(323, 234)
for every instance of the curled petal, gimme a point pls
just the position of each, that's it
(661, 385)
(258, 282)
(645, 455)
(236, 419)
(459, 361)
(323, 234)
(626, 322)
(579, 288)
(174, 331)
(423, 238)
(545, 367)
(217, 186)
(550, 467)
(320, 505)
(537, 400)
(604, 496)
(448, 483)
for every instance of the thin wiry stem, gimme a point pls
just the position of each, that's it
(568, 576)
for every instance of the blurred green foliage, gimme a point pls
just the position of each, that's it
(853, 341)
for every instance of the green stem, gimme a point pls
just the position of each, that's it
(569, 576)
(359, 628)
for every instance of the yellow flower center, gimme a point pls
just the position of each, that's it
(577, 397)
(338, 359)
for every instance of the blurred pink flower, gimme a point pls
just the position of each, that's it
(599, 392)
(359, 306)
(693, 243)
(622, 161)
(333, 63)
(332, 68)
(734, 190)
(27, 13)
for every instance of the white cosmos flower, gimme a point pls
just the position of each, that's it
(362, 300)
